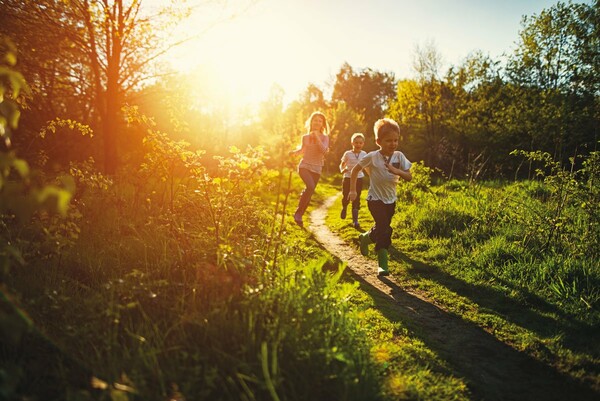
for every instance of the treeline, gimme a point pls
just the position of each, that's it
(466, 120)
(86, 60)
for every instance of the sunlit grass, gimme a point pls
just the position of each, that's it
(476, 251)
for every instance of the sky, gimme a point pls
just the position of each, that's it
(294, 43)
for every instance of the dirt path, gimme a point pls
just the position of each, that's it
(492, 369)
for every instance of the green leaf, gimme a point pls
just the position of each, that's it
(10, 58)
(10, 111)
(22, 167)
(56, 199)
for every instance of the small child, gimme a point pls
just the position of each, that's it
(384, 166)
(313, 147)
(349, 160)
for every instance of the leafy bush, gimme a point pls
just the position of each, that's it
(567, 220)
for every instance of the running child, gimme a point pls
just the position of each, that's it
(349, 160)
(385, 167)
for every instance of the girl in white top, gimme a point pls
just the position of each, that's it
(385, 167)
(349, 160)
(314, 146)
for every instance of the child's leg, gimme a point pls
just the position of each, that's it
(310, 180)
(356, 202)
(382, 261)
(345, 191)
(381, 232)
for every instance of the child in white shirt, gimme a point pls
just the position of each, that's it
(349, 160)
(385, 167)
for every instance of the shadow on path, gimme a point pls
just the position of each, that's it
(577, 336)
(492, 369)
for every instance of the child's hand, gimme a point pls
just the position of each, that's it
(351, 195)
(392, 169)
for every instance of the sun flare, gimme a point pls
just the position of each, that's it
(244, 57)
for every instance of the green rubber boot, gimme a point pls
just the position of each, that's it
(364, 240)
(382, 259)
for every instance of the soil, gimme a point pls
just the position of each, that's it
(492, 369)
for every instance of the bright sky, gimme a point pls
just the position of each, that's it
(297, 42)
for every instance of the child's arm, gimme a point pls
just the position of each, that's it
(352, 192)
(299, 149)
(404, 174)
(324, 143)
(403, 169)
(343, 164)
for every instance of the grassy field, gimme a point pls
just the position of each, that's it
(207, 292)
(516, 259)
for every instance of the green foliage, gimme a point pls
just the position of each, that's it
(168, 281)
(150, 320)
(319, 341)
(569, 219)
(365, 91)
(493, 253)
(20, 195)
(520, 232)
(58, 123)
(420, 183)
(28, 211)
(12, 84)
(441, 223)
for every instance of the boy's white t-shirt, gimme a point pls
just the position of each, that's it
(351, 159)
(383, 183)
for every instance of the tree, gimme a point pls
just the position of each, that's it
(120, 42)
(51, 64)
(110, 49)
(346, 122)
(478, 129)
(424, 106)
(555, 69)
(366, 91)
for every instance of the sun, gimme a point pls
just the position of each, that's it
(245, 56)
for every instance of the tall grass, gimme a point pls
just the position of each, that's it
(524, 252)
(537, 235)
(186, 283)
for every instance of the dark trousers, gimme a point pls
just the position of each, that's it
(346, 189)
(381, 232)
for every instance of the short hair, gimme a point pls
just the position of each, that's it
(357, 135)
(385, 126)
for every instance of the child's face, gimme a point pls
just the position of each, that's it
(358, 143)
(388, 142)
(317, 124)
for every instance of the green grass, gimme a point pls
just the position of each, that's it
(160, 302)
(150, 307)
(476, 251)
(411, 370)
